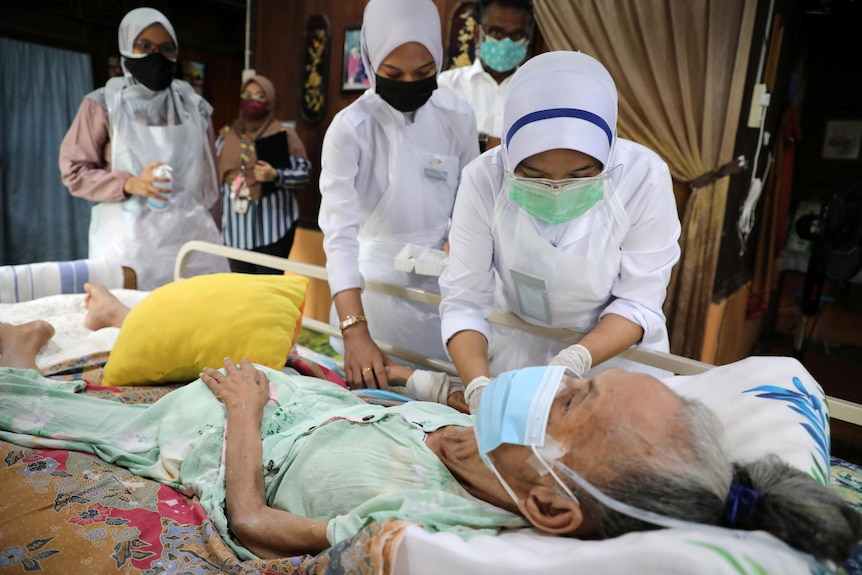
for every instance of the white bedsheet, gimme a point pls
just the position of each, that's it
(662, 552)
(66, 312)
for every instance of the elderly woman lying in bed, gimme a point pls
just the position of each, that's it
(286, 465)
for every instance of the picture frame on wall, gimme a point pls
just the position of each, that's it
(354, 77)
(842, 140)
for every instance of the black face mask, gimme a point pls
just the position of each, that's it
(405, 96)
(153, 71)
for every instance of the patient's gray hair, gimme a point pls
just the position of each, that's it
(690, 480)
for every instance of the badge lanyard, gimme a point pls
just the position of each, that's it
(239, 192)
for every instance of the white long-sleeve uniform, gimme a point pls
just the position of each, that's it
(575, 272)
(387, 181)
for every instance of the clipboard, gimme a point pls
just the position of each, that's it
(272, 149)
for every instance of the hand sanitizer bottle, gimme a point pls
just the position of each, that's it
(161, 171)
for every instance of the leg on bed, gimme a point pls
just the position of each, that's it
(19, 344)
(103, 309)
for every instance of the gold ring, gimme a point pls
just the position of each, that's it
(365, 370)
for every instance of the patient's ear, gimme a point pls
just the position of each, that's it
(551, 512)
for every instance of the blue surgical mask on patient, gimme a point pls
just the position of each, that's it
(514, 409)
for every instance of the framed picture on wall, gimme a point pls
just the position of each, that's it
(842, 140)
(354, 77)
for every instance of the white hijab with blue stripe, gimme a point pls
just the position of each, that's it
(561, 99)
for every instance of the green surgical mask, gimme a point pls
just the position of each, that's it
(557, 201)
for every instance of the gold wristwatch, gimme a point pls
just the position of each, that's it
(350, 320)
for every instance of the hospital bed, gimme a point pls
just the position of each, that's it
(840, 409)
(67, 512)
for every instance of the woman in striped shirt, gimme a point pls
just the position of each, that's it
(253, 219)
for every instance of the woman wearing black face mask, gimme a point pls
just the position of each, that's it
(390, 167)
(113, 153)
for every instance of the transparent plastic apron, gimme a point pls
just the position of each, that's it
(552, 287)
(135, 235)
(415, 208)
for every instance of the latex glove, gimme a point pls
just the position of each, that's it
(575, 357)
(474, 390)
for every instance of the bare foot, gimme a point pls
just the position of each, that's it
(103, 309)
(19, 344)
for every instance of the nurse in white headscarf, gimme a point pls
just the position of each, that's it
(565, 225)
(113, 152)
(390, 167)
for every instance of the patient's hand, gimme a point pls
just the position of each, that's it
(398, 374)
(241, 387)
(456, 401)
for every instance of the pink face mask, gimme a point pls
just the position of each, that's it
(254, 109)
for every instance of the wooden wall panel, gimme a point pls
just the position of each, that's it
(222, 77)
(278, 54)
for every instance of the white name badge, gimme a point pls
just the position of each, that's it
(434, 169)
(532, 295)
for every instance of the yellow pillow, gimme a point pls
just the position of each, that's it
(182, 327)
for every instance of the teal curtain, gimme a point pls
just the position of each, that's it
(40, 91)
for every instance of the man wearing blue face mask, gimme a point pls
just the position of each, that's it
(502, 33)
(565, 225)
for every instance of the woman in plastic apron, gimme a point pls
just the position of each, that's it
(143, 118)
(391, 164)
(565, 225)
(133, 232)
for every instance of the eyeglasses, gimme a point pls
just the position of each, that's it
(258, 96)
(498, 33)
(168, 50)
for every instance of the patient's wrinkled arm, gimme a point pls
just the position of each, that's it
(425, 385)
(266, 532)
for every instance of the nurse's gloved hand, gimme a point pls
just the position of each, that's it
(364, 363)
(575, 357)
(474, 390)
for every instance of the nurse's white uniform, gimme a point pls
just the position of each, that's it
(388, 179)
(616, 258)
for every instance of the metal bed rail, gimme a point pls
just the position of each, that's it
(840, 409)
